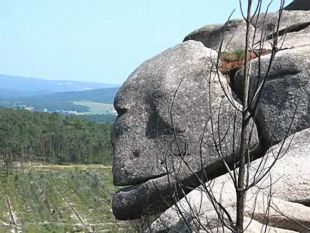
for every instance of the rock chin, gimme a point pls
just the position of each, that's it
(156, 195)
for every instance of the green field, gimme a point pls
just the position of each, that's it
(53, 198)
(95, 107)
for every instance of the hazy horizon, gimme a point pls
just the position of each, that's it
(46, 79)
(96, 41)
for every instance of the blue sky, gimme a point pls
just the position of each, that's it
(96, 40)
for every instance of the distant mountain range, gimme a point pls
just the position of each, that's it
(15, 86)
(57, 96)
(103, 95)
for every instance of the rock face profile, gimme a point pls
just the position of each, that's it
(169, 109)
(179, 123)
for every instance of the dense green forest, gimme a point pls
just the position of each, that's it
(50, 137)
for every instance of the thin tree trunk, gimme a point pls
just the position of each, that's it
(241, 193)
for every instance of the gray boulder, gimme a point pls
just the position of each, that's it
(299, 5)
(293, 28)
(172, 114)
(284, 105)
(268, 22)
(232, 33)
(288, 181)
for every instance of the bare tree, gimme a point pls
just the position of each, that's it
(242, 183)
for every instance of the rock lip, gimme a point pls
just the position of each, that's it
(168, 112)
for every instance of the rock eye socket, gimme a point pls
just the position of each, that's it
(136, 153)
(120, 111)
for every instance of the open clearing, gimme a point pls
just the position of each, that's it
(55, 198)
(96, 107)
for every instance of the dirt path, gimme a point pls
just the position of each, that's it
(15, 227)
(58, 166)
(102, 227)
(88, 227)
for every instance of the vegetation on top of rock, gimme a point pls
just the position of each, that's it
(234, 60)
(236, 55)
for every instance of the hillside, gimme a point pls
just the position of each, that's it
(104, 95)
(16, 86)
(77, 101)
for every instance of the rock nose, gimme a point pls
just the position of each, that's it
(119, 179)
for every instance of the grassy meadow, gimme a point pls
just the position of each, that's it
(95, 107)
(53, 198)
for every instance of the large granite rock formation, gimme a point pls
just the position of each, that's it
(288, 182)
(177, 122)
(284, 104)
(172, 113)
